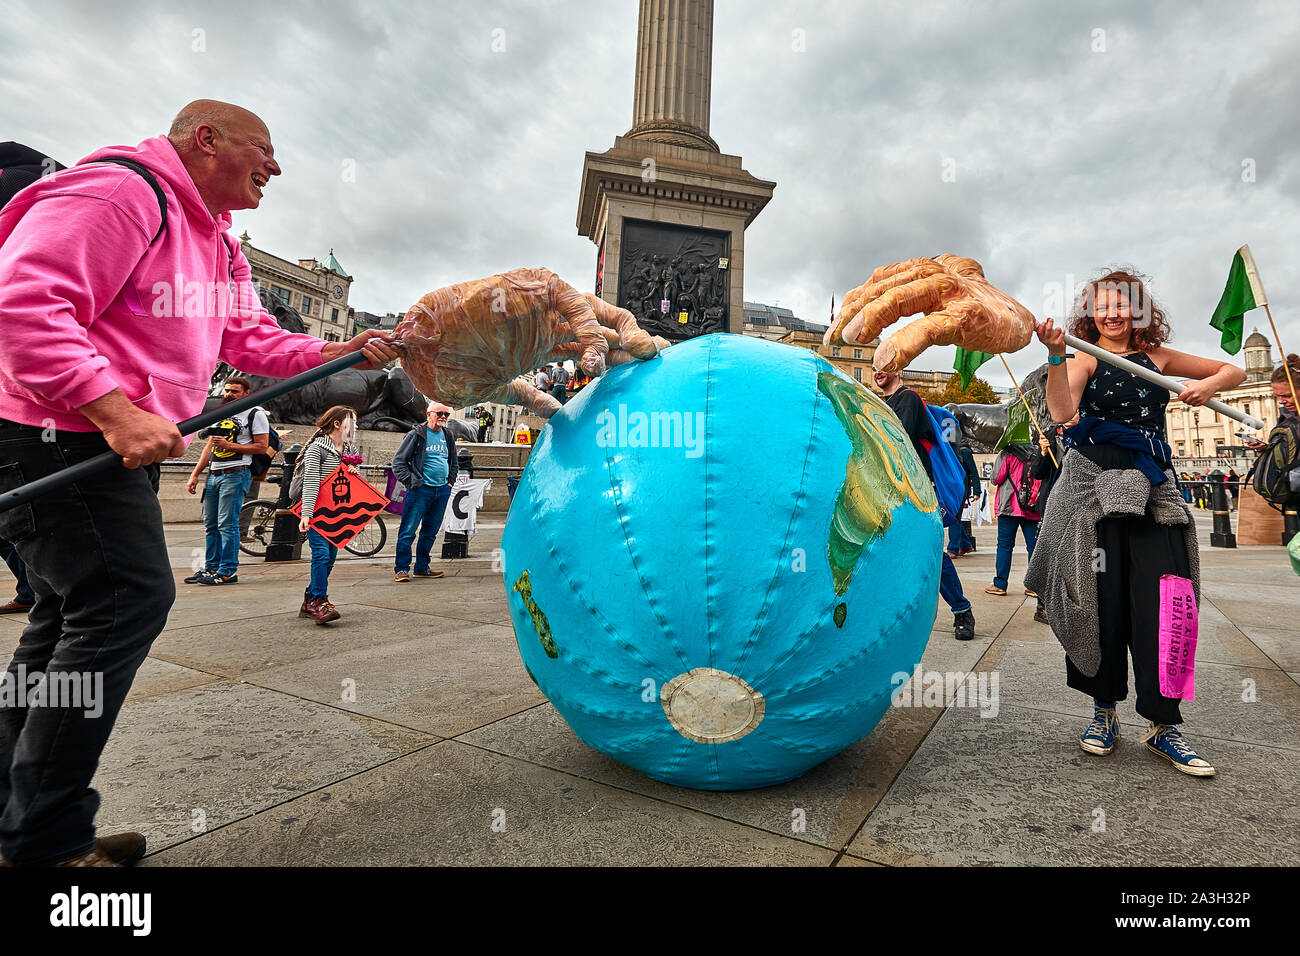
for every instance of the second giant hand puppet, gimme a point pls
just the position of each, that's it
(469, 343)
(961, 308)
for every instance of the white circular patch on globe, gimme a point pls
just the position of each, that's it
(711, 706)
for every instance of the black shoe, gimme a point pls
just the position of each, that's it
(963, 626)
(1040, 614)
(194, 578)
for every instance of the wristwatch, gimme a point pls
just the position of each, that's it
(1056, 360)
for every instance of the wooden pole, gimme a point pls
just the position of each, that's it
(1055, 464)
(1295, 396)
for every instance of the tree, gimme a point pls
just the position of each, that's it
(978, 392)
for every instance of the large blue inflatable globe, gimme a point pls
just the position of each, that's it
(717, 560)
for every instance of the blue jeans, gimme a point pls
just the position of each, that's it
(1007, 526)
(959, 539)
(98, 565)
(9, 554)
(423, 510)
(322, 563)
(950, 587)
(223, 496)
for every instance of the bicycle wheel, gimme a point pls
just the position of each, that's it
(370, 540)
(256, 526)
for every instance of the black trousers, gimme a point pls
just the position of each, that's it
(1136, 551)
(97, 561)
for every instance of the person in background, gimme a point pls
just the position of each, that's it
(961, 534)
(542, 380)
(1185, 487)
(425, 463)
(1233, 484)
(559, 383)
(1046, 470)
(230, 460)
(336, 431)
(1286, 400)
(485, 422)
(1011, 474)
(25, 596)
(909, 408)
(578, 381)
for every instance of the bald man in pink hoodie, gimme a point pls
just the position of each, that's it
(110, 330)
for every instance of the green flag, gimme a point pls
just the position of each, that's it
(1243, 292)
(1017, 432)
(966, 363)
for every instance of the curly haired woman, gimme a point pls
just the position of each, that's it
(1117, 491)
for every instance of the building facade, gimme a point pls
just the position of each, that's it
(361, 321)
(318, 290)
(855, 360)
(504, 420)
(1204, 434)
(772, 322)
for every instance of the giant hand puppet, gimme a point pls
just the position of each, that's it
(469, 342)
(961, 308)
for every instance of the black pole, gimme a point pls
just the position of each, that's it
(1290, 523)
(41, 486)
(1221, 536)
(286, 539)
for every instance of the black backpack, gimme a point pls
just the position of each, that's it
(20, 166)
(1275, 475)
(261, 464)
(1027, 490)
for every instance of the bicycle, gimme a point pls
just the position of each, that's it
(257, 525)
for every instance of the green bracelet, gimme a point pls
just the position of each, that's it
(1056, 360)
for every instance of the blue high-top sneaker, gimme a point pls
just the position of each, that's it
(1102, 733)
(1167, 741)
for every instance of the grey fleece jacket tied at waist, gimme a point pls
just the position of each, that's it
(1062, 570)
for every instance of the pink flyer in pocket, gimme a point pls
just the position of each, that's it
(1177, 637)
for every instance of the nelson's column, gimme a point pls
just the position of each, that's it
(665, 207)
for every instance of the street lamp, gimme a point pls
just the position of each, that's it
(1196, 421)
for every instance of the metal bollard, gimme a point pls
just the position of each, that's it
(286, 540)
(1290, 524)
(1221, 536)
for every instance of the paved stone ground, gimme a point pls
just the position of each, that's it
(237, 746)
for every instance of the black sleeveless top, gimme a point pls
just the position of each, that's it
(1121, 397)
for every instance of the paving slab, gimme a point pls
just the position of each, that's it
(1248, 704)
(1019, 791)
(239, 750)
(1220, 641)
(261, 643)
(156, 678)
(1253, 613)
(453, 804)
(825, 806)
(450, 681)
(200, 604)
(1280, 645)
(466, 598)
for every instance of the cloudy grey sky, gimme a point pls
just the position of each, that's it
(1157, 134)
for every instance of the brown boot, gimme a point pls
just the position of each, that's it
(124, 849)
(323, 611)
(95, 857)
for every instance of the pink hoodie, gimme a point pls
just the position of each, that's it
(87, 305)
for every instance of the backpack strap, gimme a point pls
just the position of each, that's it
(143, 173)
